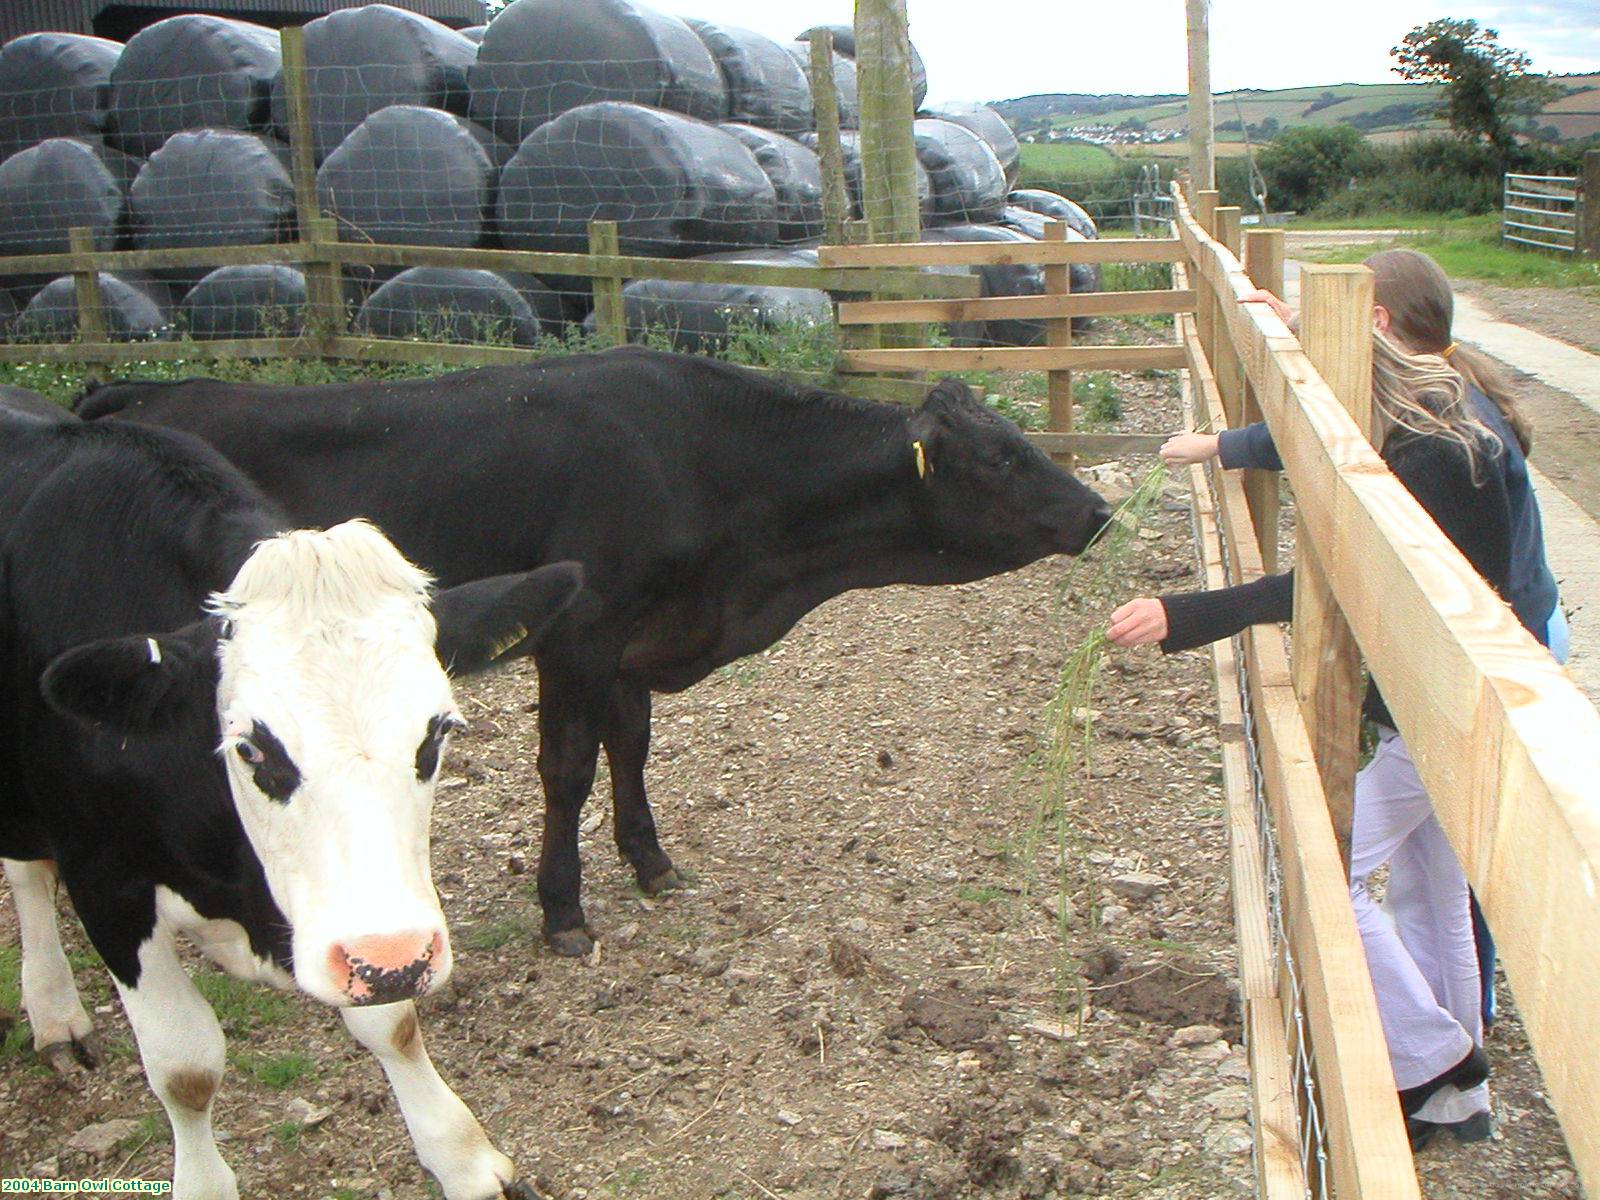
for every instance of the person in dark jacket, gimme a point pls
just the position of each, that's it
(1459, 449)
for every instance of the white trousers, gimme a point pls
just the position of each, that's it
(1419, 944)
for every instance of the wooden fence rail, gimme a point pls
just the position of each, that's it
(1507, 746)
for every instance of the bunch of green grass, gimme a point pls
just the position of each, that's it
(1070, 726)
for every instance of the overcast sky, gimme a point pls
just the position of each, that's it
(978, 50)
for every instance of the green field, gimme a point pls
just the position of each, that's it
(1467, 248)
(1072, 160)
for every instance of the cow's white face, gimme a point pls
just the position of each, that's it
(334, 711)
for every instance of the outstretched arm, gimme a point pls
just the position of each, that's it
(1189, 619)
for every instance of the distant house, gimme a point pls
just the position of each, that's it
(120, 21)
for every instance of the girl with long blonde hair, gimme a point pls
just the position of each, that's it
(1449, 430)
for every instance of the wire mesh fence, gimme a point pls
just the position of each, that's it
(699, 139)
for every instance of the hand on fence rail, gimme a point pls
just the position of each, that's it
(1278, 305)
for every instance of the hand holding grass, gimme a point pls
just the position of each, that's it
(1182, 449)
(1139, 622)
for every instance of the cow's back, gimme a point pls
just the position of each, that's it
(471, 474)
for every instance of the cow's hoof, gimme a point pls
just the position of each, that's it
(571, 943)
(521, 1189)
(663, 881)
(71, 1059)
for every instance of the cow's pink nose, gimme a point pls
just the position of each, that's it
(386, 968)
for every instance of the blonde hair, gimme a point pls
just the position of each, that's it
(1416, 293)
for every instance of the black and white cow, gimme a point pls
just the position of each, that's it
(215, 728)
(712, 507)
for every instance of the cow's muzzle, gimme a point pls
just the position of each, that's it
(387, 968)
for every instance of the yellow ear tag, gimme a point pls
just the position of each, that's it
(922, 460)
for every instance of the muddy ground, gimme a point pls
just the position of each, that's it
(870, 991)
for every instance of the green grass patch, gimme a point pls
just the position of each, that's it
(492, 935)
(1431, 222)
(1471, 248)
(241, 1006)
(287, 1134)
(278, 1071)
(977, 894)
(1067, 160)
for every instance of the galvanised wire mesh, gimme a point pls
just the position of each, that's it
(698, 139)
(1313, 1133)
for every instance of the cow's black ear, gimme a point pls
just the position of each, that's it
(135, 685)
(948, 397)
(490, 619)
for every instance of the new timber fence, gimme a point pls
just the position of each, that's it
(1506, 745)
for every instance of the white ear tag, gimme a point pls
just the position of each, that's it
(155, 651)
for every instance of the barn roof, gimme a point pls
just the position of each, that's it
(115, 19)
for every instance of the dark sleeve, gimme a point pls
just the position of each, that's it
(1474, 514)
(1250, 446)
(1200, 618)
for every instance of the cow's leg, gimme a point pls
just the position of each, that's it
(63, 1034)
(449, 1141)
(183, 1052)
(626, 734)
(569, 748)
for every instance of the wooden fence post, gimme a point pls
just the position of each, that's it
(610, 316)
(1263, 262)
(1230, 375)
(302, 150)
(825, 106)
(1336, 331)
(1589, 205)
(1202, 163)
(888, 148)
(1058, 332)
(1205, 313)
(86, 292)
(324, 284)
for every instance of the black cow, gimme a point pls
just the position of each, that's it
(711, 507)
(213, 727)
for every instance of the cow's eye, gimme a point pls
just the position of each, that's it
(271, 768)
(432, 746)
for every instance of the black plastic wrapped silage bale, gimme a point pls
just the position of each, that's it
(844, 41)
(992, 128)
(448, 304)
(1006, 280)
(212, 187)
(191, 72)
(844, 81)
(968, 185)
(675, 186)
(360, 60)
(766, 87)
(541, 58)
(1086, 277)
(1051, 204)
(411, 176)
(266, 300)
(53, 85)
(796, 178)
(48, 189)
(850, 146)
(703, 318)
(134, 311)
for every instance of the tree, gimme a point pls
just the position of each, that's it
(1304, 164)
(1486, 85)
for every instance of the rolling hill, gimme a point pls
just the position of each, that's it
(1375, 108)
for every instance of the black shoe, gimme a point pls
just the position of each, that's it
(1476, 1128)
(1468, 1073)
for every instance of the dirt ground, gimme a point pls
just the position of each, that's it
(873, 988)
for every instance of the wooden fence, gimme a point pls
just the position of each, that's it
(1507, 746)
